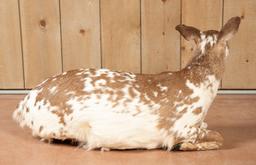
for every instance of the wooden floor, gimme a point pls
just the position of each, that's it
(233, 115)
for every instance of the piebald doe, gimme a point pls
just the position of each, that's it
(122, 110)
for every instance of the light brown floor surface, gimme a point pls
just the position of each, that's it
(233, 116)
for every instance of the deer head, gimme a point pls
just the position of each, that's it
(211, 42)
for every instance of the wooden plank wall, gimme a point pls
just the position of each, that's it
(241, 65)
(11, 72)
(43, 38)
(160, 40)
(40, 29)
(120, 27)
(80, 26)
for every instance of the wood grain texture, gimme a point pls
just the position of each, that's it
(41, 39)
(120, 24)
(241, 64)
(80, 24)
(204, 15)
(11, 73)
(160, 40)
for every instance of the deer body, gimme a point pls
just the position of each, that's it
(121, 110)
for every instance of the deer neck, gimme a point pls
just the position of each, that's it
(204, 65)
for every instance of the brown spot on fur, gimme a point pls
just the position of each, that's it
(197, 111)
(69, 82)
(41, 128)
(62, 113)
(19, 114)
(120, 95)
(131, 92)
(27, 110)
(184, 110)
(190, 101)
(98, 91)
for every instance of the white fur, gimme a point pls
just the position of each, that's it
(206, 40)
(162, 88)
(130, 123)
(53, 89)
(119, 130)
(206, 97)
(39, 118)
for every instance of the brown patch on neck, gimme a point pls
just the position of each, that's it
(196, 72)
(178, 92)
(201, 66)
(197, 111)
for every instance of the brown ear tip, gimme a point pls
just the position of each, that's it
(237, 19)
(178, 27)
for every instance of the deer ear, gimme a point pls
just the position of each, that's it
(189, 32)
(229, 29)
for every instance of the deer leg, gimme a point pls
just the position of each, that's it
(206, 140)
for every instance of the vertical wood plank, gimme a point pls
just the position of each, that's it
(120, 24)
(204, 15)
(241, 64)
(80, 34)
(160, 40)
(11, 71)
(41, 39)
